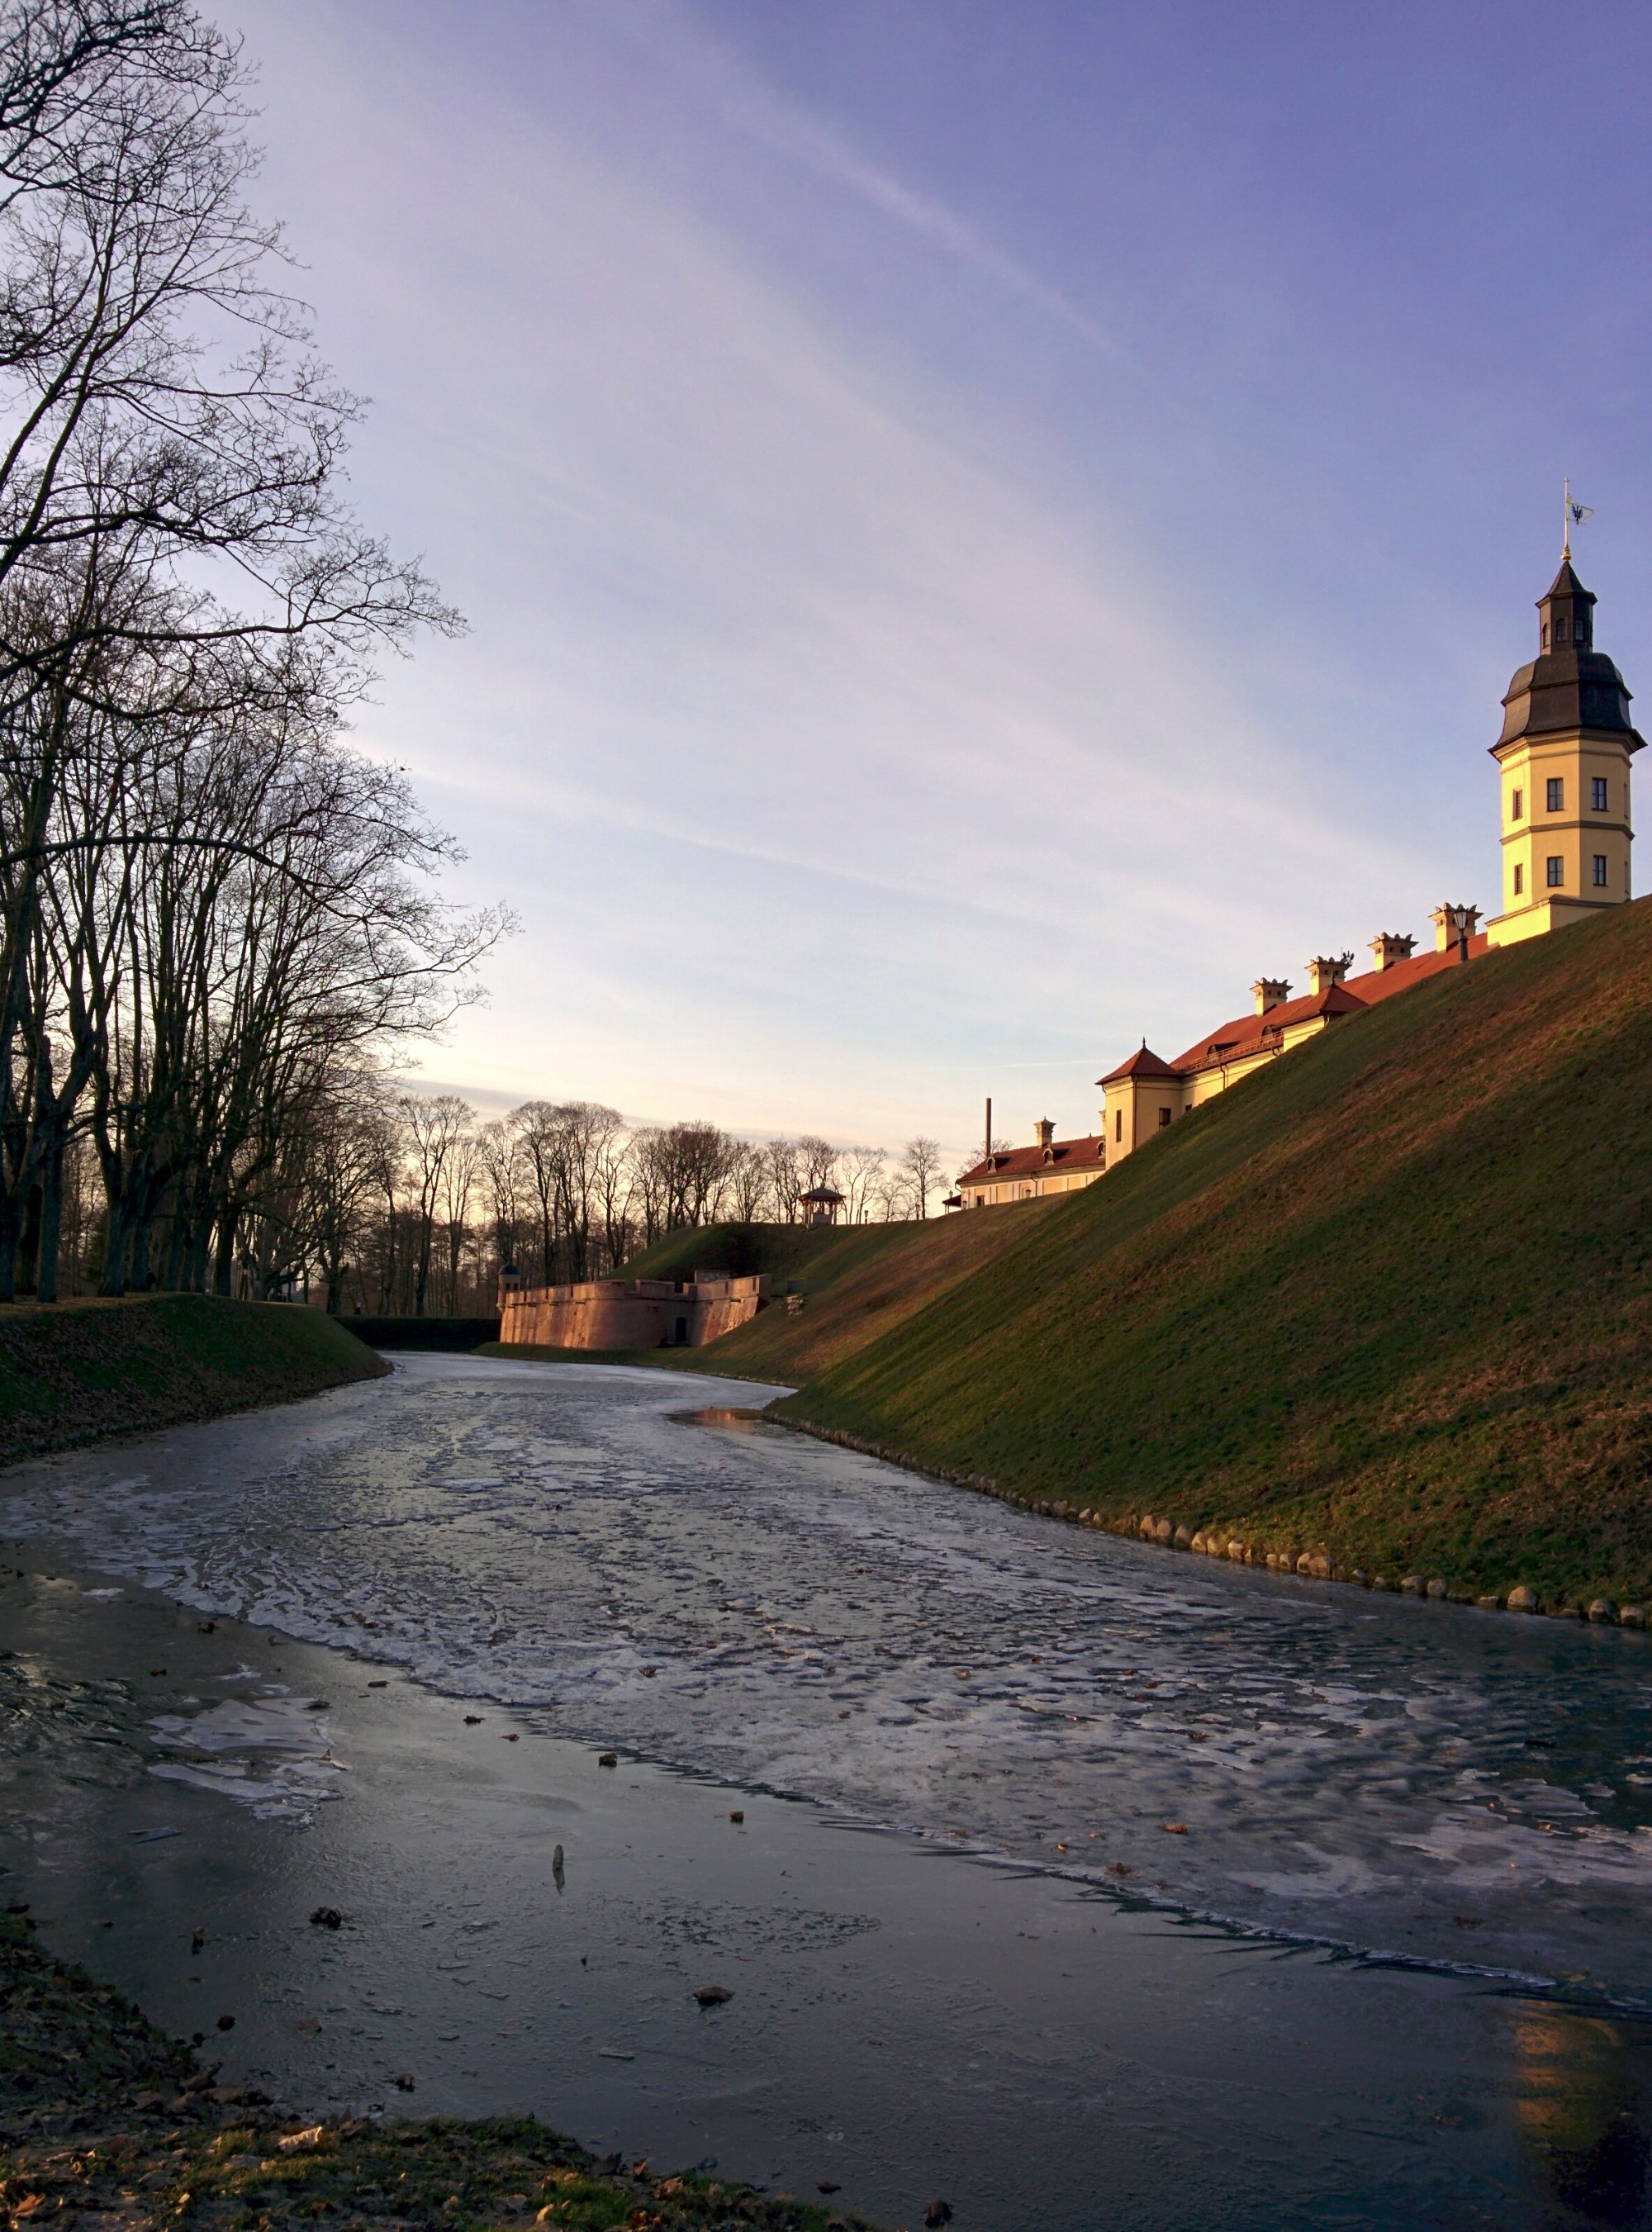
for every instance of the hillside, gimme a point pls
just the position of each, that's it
(800, 1255)
(84, 1369)
(1389, 1296)
(854, 1280)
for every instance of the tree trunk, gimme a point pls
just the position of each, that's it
(223, 1269)
(51, 1222)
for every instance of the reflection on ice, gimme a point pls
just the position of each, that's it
(1395, 1776)
(1582, 2101)
(286, 1788)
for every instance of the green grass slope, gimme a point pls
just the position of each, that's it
(84, 1369)
(856, 1280)
(873, 1263)
(803, 1255)
(1389, 1297)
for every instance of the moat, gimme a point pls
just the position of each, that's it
(1081, 1884)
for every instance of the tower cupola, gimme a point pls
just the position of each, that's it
(1566, 613)
(1564, 780)
(1569, 685)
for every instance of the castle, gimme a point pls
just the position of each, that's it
(1563, 795)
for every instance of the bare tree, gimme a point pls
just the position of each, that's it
(499, 1164)
(748, 1182)
(352, 1140)
(538, 1127)
(786, 1179)
(859, 1170)
(818, 1159)
(893, 1196)
(921, 1162)
(461, 1170)
(431, 1130)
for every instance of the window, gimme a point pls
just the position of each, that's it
(1560, 630)
(1165, 1118)
(1516, 804)
(1557, 793)
(1557, 870)
(1519, 879)
(1597, 794)
(1600, 870)
(1545, 635)
(1118, 1124)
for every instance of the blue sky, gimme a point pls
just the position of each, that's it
(983, 528)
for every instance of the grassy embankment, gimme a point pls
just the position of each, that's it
(102, 2113)
(83, 1369)
(880, 1263)
(1387, 1300)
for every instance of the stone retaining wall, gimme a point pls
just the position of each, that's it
(619, 1313)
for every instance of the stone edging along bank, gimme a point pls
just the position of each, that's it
(1215, 1542)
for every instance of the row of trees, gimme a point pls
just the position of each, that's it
(405, 1203)
(216, 919)
(391, 1203)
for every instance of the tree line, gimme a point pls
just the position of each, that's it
(400, 1203)
(217, 920)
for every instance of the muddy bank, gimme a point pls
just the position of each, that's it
(100, 2111)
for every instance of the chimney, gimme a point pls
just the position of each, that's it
(1387, 949)
(1454, 926)
(1045, 1131)
(1324, 971)
(1269, 991)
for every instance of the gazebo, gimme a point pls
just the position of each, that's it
(821, 1204)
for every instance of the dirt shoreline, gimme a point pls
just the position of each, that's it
(100, 2111)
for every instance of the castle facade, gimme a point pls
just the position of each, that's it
(1563, 794)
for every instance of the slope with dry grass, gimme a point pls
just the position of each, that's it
(1389, 1296)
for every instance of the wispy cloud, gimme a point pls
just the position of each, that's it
(744, 103)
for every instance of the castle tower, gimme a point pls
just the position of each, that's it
(1564, 774)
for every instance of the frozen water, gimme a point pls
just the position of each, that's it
(1396, 1777)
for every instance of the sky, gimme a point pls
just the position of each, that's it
(982, 529)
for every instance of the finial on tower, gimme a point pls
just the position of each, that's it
(1575, 515)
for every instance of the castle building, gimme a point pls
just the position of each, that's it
(1052, 1165)
(1563, 767)
(1564, 790)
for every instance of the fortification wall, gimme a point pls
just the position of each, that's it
(609, 1313)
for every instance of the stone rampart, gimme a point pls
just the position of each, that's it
(611, 1314)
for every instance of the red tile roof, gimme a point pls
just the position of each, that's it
(1144, 1064)
(1035, 1161)
(1250, 1034)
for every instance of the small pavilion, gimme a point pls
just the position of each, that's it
(821, 1204)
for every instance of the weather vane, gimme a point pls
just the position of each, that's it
(1576, 514)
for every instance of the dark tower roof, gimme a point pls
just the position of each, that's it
(1570, 684)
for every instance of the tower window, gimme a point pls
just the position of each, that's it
(1557, 793)
(1165, 1118)
(1519, 879)
(1597, 792)
(1118, 1124)
(1516, 804)
(1557, 870)
(1600, 870)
